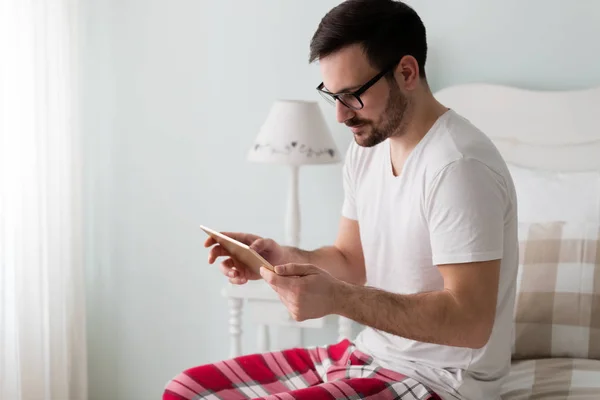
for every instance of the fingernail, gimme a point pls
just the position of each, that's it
(231, 274)
(279, 269)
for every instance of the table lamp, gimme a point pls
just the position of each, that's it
(295, 133)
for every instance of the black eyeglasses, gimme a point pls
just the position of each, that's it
(352, 99)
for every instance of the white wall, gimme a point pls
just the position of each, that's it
(174, 95)
(100, 131)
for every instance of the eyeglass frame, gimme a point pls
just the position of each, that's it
(357, 93)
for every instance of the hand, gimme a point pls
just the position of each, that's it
(238, 273)
(307, 291)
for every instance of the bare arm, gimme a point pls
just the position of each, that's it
(460, 315)
(344, 260)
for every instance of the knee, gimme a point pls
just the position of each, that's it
(190, 384)
(178, 388)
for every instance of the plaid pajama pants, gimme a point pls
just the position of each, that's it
(333, 372)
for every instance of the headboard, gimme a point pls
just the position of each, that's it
(550, 130)
(553, 131)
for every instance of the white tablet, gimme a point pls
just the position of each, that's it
(239, 251)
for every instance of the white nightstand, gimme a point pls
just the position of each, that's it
(265, 308)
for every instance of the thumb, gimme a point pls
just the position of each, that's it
(296, 269)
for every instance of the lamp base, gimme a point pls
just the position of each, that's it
(292, 221)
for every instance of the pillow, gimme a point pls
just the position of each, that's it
(556, 196)
(557, 307)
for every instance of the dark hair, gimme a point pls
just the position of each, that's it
(388, 30)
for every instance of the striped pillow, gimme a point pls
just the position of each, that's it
(557, 308)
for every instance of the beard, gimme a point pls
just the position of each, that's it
(392, 123)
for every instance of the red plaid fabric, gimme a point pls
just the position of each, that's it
(333, 372)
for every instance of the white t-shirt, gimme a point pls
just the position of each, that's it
(454, 202)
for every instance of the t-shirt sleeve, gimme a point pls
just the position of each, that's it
(349, 205)
(465, 209)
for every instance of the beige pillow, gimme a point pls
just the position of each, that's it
(557, 309)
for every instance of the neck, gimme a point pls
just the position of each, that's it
(423, 115)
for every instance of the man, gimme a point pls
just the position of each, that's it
(428, 224)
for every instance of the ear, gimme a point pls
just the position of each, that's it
(407, 73)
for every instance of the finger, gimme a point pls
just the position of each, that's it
(226, 268)
(245, 238)
(209, 241)
(271, 279)
(269, 276)
(261, 244)
(217, 251)
(238, 281)
(296, 269)
(229, 269)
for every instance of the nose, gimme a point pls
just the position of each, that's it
(342, 113)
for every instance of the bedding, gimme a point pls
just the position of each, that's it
(557, 307)
(551, 143)
(553, 379)
(556, 196)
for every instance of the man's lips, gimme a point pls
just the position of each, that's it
(357, 128)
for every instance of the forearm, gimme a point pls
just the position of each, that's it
(331, 259)
(433, 317)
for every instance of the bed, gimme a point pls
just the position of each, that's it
(551, 141)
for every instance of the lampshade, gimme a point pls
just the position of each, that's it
(294, 133)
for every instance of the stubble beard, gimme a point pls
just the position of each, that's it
(393, 122)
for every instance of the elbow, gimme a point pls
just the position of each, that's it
(479, 334)
(479, 341)
(471, 329)
(473, 325)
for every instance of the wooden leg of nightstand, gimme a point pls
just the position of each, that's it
(235, 326)
(264, 342)
(344, 328)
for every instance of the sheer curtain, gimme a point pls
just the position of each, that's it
(42, 318)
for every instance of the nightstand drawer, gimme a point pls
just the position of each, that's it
(274, 312)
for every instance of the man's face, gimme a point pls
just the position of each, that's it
(385, 106)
